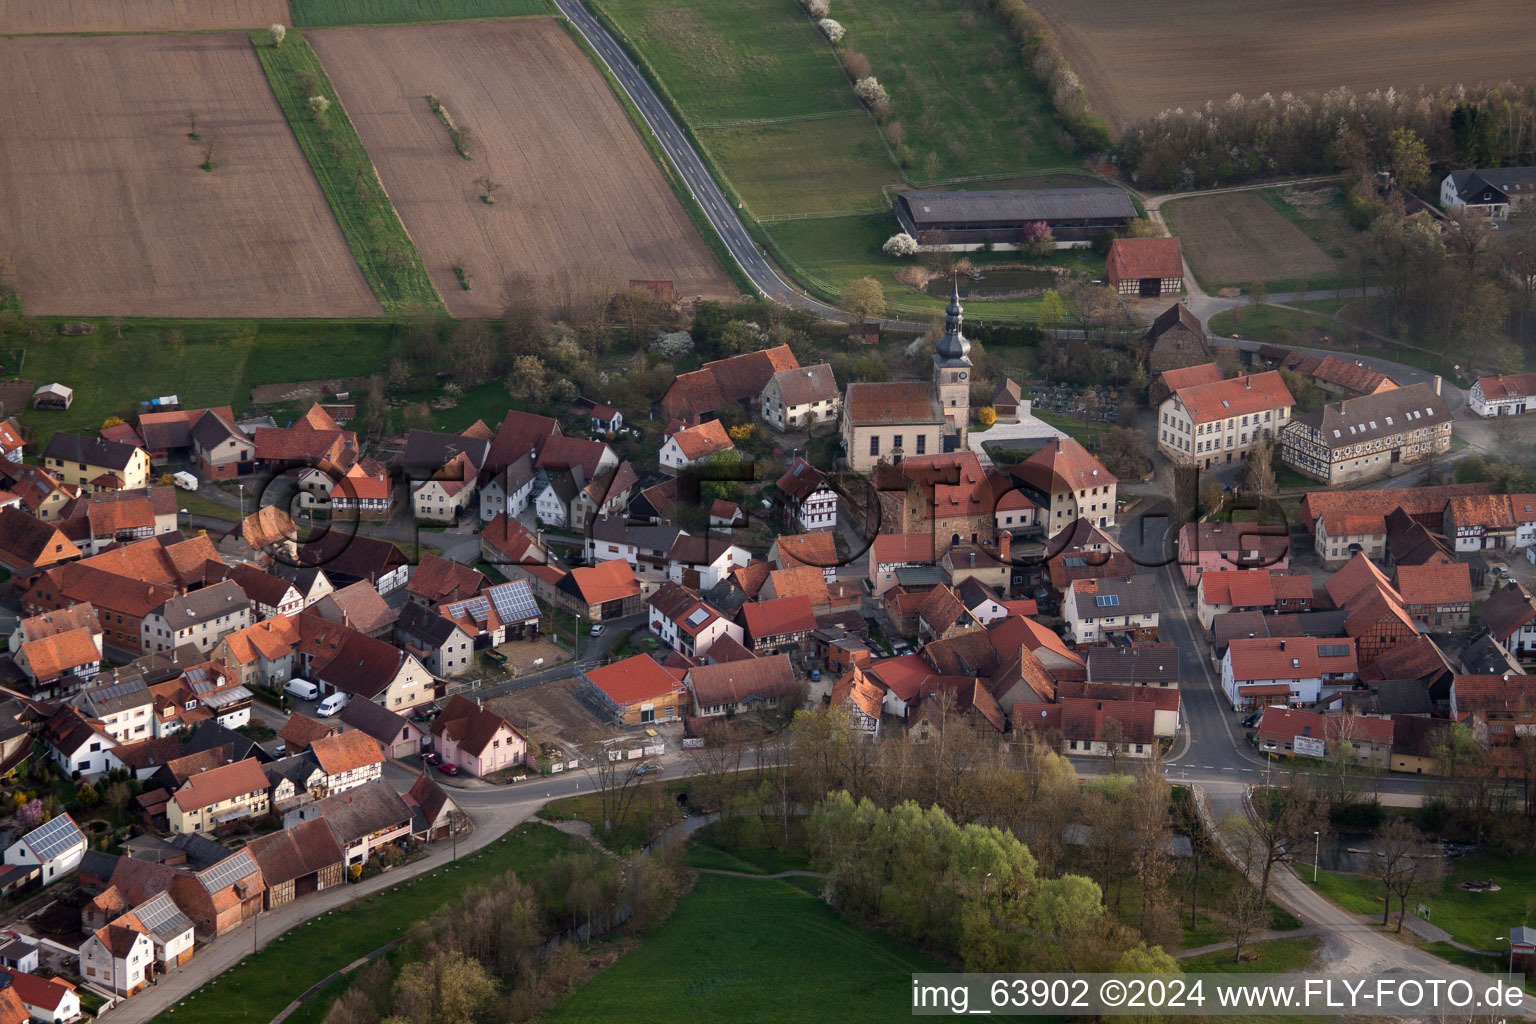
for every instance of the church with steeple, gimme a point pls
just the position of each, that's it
(952, 375)
(887, 421)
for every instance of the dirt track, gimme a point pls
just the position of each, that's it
(36, 16)
(580, 193)
(1139, 59)
(104, 209)
(1237, 238)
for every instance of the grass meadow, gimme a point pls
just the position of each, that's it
(315, 13)
(743, 951)
(205, 362)
(830, 252)
(957, 86)
(346, 174)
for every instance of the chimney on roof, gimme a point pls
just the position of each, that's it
(1248, 382)
(1437, 383)
(1282, 645)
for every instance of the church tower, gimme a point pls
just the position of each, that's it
(952, 376)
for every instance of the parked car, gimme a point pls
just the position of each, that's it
(646, 769)
(426, 713)
(448, 768)
(815, 675)
(596, 630)
(333, 704)
(302, 689)
(1252, 719)
(430, 757)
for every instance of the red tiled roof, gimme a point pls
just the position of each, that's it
(736, 681)
(1063, 464)
(1416, 501)
(635, 679)
(51, 656)
(1144, 257)
(1087, 719)
(890, 548)
(1239, 396)
(1495, 694)
(1488, 510)
(1240, 588)
(1432, 584)
(1357, 574)
(807, 549)
(470, 726)
(346, 751)
(703, 440)
(903, 676)
(1510, 385)
(891, 402)
(1352, 524)
(1296, 657)
(779, 617)
(1190, 376)
(1164, 698)
(222, 783)
(607, 581)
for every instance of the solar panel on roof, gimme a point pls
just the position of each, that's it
(227, 871)
(52, 838)
(113, 690)
(514, 602)
(161, 916)
(698, 616)
(1333, 650)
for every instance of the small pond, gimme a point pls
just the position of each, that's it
(995, 284)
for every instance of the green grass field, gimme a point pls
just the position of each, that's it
(740, 951)
(829, 252)
(263, 984)
(314, 13)
(346, 174)
(745, 844)
(216, 363)
(766, 166)
(1277, 956)
(754, 81)
(1479, 919)
(956, 85)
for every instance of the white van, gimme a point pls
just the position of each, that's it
(186, 481)
(302, 689)
(333, 704)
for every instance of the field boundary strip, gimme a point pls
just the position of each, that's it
(752, 122)
(380, 13)
(380, 244)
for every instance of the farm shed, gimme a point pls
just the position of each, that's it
(53, 396)
(1148, 267)
(961, 221)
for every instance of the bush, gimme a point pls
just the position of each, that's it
(901, 244)
(277, 34)
(817, 9)
(986, 415)
(871, 91)
(856, 64)
(673, 344)
(833, 30)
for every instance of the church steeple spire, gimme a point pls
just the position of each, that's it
(954, 348)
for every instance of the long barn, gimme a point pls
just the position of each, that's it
(963, 221)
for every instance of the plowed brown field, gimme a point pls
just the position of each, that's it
(29, 16)
(1138, 59)
(104, 209)
(1237, 237)
(580, 191)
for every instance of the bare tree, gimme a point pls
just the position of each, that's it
(615, 781)
(715, 764)
(1404, 864)
(1245, 910)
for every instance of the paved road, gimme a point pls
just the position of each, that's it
(696, 176)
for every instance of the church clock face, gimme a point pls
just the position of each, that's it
(963, 375)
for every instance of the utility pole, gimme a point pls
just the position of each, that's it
(1317, 842)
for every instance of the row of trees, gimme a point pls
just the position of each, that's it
(1307, 133)
(492, 947)
(970, 892)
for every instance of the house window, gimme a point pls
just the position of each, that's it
(874, 445)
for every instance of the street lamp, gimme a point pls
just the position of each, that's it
(242, 500)
(1317, 842)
